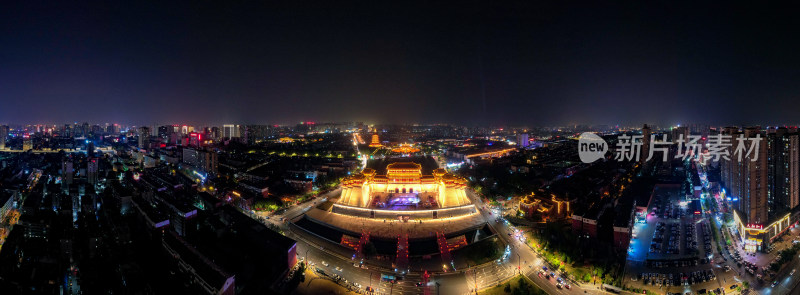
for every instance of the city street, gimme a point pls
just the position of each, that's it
(525, 259)
(462, 282)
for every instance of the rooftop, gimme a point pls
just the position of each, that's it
(404, 165)
(428, 164)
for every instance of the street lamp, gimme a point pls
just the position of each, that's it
(370, 280)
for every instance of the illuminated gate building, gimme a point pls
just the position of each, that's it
(404, 187)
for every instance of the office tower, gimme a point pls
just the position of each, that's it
(144, 137)
(3, 136)
(522, 140)
(91, 170)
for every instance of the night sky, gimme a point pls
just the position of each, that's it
(532, 63)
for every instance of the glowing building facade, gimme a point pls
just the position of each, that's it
(405, 149)
(376, 142)
(404, 184)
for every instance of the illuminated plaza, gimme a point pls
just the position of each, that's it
(405, 209)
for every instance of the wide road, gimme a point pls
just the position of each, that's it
(522, 256)
(522, 259)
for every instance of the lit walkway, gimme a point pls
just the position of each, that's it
(388, 228)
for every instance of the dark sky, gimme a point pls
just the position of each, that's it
(530, 63)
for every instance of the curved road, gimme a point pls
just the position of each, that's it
(463, 282)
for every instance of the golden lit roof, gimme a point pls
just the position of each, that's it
(405, 149)
(375, 141)
(404, 166)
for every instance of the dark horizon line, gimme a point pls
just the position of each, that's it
(451, 124)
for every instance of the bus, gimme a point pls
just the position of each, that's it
(388, 278)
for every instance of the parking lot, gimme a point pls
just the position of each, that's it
(673, 249)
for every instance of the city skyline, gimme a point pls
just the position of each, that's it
(406, 147)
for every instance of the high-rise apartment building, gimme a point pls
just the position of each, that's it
(522, 140)
(144, 137)
(759, 182)
(230, 131)
(67, 132)
(91, 170)
(85, 129)
(782, 155)
(753, 199)
(645, 151)
(257, 133)
(66, 173)
(163, 131)
(203, 160)
(3, 136)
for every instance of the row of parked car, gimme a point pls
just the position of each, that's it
(673, 212)
(704, 291)
(748, 266)
(691, 244)
(656, 246)
(674, 241)
(676, 262)
(680, 279)
(706, 237)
